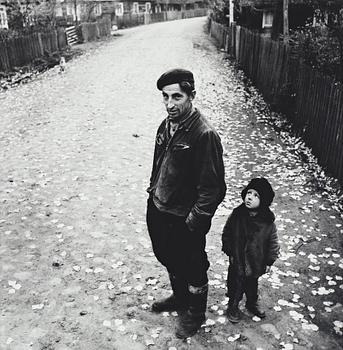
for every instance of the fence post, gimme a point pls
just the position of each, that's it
(4, 61)
(233, 39)
(146, 18)
(238, 32)
(40, 44)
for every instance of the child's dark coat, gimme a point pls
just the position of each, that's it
(251, 242)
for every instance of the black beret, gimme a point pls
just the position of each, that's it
(264, 189)
(173, 76)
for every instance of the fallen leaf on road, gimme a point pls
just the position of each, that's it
(98, 270)
(287, 346)
(107, 323)
(233, 337)
(221, 320)
(209, 322)
(309, 326)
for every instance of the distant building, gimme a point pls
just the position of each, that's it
(3, 17)
(67, 12)
(266, 15)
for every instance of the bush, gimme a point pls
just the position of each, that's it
(18, 32)
(318, 48)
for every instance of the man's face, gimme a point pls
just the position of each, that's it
(177, 102)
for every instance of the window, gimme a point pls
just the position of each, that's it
(70, 10)
(135, 7)
(267, 21)
(3, 18)
(119, 8)
(59, 10)
(148, 7)
(97, 9)
(78, 11)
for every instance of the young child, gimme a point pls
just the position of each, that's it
(62, 64)
(251, 242)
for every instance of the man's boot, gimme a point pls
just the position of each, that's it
(233, 314)
(191, 321)
(177, 301)
(255, 309)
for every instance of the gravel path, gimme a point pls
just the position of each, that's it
(77, 269)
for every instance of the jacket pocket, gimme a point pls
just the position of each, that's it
(174, 173)
(180, 147)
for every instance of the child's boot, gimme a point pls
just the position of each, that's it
(233, 313)
(252, 297)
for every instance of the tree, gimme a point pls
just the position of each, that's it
(88, 8)
(44, 12)
(15, 17)
(329, 13)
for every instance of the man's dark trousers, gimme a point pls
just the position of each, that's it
(180, 250)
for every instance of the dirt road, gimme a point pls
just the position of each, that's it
(77, 269)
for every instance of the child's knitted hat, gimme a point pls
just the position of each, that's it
(264, 189)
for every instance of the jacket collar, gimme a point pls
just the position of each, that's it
(264, 214)
(188, 122)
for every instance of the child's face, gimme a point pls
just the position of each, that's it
(252, 199)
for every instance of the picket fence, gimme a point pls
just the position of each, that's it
(23, 50)
(17, 52)
(312, 101)
(94, 30)
(131, 19)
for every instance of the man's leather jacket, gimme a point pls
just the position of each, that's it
(188, 172)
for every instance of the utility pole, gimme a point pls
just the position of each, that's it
(231, 11)
(75, 9)
(285, 22)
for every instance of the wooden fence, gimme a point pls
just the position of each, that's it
(131, 20)
(95, 30)
(312, 101)
(23, 50)
(319, 114)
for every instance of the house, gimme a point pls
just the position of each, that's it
(3, 16)
(267, 15)
(69, 12)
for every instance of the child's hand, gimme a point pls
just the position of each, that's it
(268, 268)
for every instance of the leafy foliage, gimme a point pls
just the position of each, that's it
(318, 48)
(28, 17)
(321, 46)
(220, 10)
(15, 17)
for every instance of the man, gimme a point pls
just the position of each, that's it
(186, 186)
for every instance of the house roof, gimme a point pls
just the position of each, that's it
(178, 2)
(268, 3)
